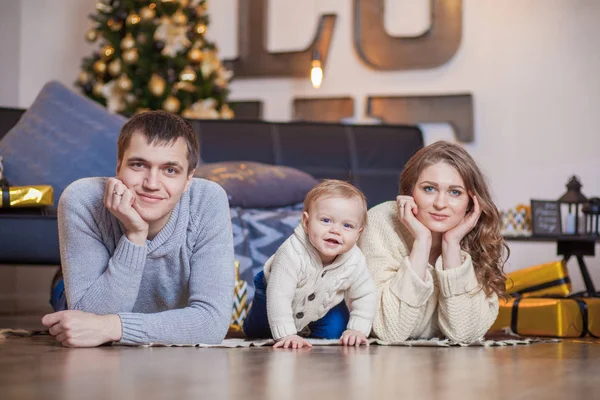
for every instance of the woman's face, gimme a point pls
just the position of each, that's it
(441, 197)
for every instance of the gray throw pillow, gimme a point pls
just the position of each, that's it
(62, 137)
(257, 185)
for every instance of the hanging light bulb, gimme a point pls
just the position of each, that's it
(316, 71)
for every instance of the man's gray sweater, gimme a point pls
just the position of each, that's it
(178, 288)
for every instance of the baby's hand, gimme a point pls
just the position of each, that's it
(350, 337)
(292, 342)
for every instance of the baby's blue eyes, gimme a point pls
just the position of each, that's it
(346, 225)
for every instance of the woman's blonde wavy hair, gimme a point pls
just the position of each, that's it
(484, 243)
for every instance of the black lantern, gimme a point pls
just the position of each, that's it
(572, 202)
(592, 214)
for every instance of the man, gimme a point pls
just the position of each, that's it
(147, 256)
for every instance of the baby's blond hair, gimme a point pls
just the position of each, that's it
(336, 188)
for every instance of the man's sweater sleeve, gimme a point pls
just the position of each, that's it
(94, 281)
(281, 288)
(212, 276)
(402, 295)
(465, 312)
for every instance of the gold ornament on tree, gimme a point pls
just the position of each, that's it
(99, 67)
(171, 104)
(185, 86)
(200, 29)
(184, 3)
(188, 74)
(195, 55)
(133, 19)
(91, 35)
(124, 83)
(114, 68)
(103, 7)
(84, 77)
(200, 10)
(128, 42)
(147, 14)
(107, 52)
(130, 56)
(157, 85)
(97, 89)
(179, 18)
(114, 25)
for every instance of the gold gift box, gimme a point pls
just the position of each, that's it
(27, 196)
(551, 279)
(550, 317)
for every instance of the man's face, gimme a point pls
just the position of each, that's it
(157, 175)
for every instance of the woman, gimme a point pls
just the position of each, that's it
(436, 254)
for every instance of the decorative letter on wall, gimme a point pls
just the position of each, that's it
(247, 110)
(457, 110)
(433, 48)
(255, 61)
(323, 110)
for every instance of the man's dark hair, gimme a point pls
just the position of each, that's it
(163, 128)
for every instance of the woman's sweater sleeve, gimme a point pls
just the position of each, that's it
(465, 313)
(402, 295)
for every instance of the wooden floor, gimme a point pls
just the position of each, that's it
(37, 368)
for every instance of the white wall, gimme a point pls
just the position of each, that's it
(531, 65)
(10, 20)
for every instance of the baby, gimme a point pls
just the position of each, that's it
(305, 286)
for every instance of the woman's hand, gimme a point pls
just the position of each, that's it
(455, 235)
(407, 209)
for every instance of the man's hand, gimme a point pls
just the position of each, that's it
(121, 202)
(74, 328)
(350, 337)
(292, 342)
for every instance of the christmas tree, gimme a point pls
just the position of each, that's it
(154, 55)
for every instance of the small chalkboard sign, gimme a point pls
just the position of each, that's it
(545, 218)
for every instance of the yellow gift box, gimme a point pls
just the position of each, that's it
(26, 196)
(572, 317)
(551, 279)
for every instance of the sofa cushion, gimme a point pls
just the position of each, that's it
(62, 137)
(258, 185)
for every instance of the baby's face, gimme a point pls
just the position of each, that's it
(333, 225)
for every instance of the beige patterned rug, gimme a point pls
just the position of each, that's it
(502, 339)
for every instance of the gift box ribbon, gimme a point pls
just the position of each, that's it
(5, 193)
(583, 307)
(541, 286)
